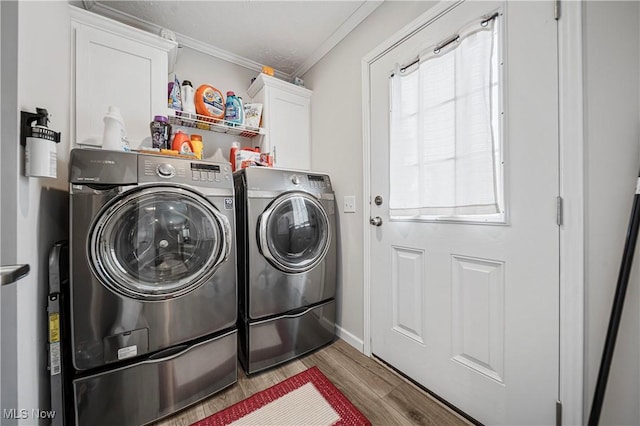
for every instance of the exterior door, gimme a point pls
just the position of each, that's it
(470, 309)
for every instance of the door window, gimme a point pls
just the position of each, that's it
(158, 242)
(294, 232)
(445, 136)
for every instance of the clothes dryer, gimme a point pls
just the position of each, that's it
(286, 229)
(153, 284)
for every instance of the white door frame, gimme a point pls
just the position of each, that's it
(571, 189)
(1, 406)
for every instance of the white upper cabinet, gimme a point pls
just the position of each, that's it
(120, 66)
(286, 117)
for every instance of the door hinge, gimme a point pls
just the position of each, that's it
(559, 210)
(558, 413)
(556, 10)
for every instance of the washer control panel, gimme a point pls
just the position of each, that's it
(207, 172)
(155, 168)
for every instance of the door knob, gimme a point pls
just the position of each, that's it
(375, 221)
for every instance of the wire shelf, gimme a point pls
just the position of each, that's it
(201, 122)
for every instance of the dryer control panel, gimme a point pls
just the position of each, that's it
(273, 179)
(155, 168)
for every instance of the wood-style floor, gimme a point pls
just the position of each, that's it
(378, 392)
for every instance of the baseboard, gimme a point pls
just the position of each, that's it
(350, 338)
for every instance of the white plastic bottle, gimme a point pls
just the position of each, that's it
(115, 134)
(188, 102)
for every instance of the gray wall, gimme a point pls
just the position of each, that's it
(612, 129)
(336, 144)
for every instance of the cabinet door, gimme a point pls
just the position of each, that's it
(288, 127)
(118, 71)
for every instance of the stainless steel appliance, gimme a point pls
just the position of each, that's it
(286, 233)
(152, 283)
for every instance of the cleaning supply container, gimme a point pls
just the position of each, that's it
(188, 100)
(235, 146)
(209, 102)
(181, 143)
(160, 132)
(197, 146)
(233, 112)
(115, 134)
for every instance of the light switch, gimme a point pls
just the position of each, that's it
(349, 204)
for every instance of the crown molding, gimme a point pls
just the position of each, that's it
(263, 80)
(182, 40)
(359, 15)
(115, 26)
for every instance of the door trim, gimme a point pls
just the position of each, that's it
(570, 63)
(572, 181)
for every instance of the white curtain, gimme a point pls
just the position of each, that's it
(443, 129)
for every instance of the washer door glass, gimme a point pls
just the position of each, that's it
(158, 242)
(294, 232)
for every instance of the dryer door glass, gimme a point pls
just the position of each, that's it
(158, 242)
(294, 232)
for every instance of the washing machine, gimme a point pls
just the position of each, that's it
(286, 230)
(153, 288)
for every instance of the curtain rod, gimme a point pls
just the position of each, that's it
(444, 44)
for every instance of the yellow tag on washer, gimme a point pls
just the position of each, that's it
(54, 328)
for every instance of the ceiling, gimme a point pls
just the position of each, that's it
(289, 36)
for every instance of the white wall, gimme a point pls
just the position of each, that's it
(41, 204)
(612, 88)
(336, 144)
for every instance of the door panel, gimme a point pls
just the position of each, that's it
(470, 310)
(477, 317)
(407, 274)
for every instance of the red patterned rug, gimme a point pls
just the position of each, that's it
(308, 398)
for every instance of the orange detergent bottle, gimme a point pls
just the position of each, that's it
(209, 102)
(182, 143)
